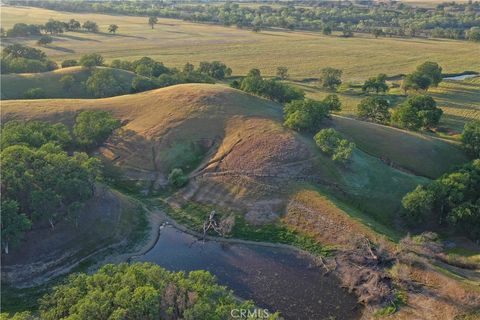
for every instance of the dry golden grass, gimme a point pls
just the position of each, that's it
(176, 42)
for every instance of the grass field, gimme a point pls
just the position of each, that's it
(176, 42)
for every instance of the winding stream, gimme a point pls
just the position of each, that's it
(275, 278)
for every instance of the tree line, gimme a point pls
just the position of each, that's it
(46, 174)
(141, 291)
(446, 20)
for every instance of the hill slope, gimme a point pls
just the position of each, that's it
(14, 85)
(240, 155)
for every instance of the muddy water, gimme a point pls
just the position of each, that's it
(275, 278)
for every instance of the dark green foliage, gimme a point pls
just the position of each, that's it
(332, 143)
(35, 93)
(307, 115)
(103, 83)
(17, 58)
(416, 81)
(93, 127)
(376, 84)
(471, 138)
(140, 84)
(112, 28)
(177, 178)
(374, 109)
(67, 82)
(90, 26)
(419, 111)
(69, 63)
(152, 21)
(432, 71)
(44, 40)
(46, 182)
(21, 51)
(331, 78)
(474, 34)
(91, 60)
(427, 74)
(282, 72)
(23, 30)
(452, 200)
(140, 291)
(55, 26)
(148, 67)
(14, 224)
(215, 69)
(271, 89)
(34, 134)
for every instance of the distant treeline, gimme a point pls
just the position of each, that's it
(446, 20)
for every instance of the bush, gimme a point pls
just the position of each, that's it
(215, 69)
(69, 63)
(103, 83)
(44, 40)
(34, 134)
(140, 84)
(93, 127)
(177, 178)
(471, 138)
(67, 82)
(331, 142)
(452, 200)
(419, 111)
(306, 115)
(35, 93)
(91, 60)
(374, 109)
(271, 89)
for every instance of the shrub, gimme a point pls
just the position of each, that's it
(374, 109)
(177, 178)
(91, 60)
(471, 138)
(103, 83)
(35, 93)
(419, 111)
(67, 82)
(331, 142)
(93, 127)
(69, 63)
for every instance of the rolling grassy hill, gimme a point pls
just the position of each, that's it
(14, 86)
(239, 155)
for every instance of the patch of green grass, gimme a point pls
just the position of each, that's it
(400, 299)
(193, 215)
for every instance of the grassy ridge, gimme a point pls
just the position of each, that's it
(14, 86)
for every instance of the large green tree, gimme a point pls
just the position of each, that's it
(92, 127)
(419, 111)
(331, 77)
(103, 83)
(13, 224)
(471, 138)
(374, 109)
(452, 200)
(307, 115)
